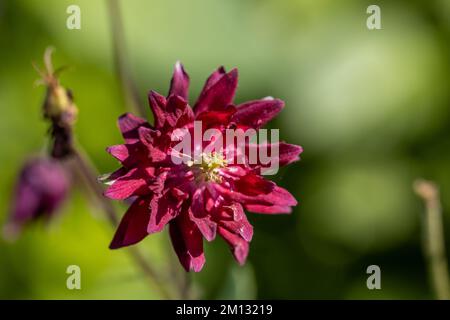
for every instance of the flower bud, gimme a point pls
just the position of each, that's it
(58, 108)
(41, 188)
(58, 105)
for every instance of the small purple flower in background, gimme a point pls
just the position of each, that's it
(41, 188)
(196, 200)
(43, 182)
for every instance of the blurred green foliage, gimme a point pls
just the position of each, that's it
(370, 108)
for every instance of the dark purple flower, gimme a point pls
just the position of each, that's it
(41, 188)
(196, 200)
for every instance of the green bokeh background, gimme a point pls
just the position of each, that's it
(370, 108)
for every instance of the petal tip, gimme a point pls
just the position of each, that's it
(197, 264)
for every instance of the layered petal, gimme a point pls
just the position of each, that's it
(187, 117)
(264, 154)
(128, 125)
(199, 215)
(253, 185)
(239, 247)
(187, 242)
(157, 105)
(213, 78)
(233, 218)
(131, 184)
(253, 189)
(148, 137)
(218, 118)
(176, 106)
(272, 209)
(218, 91)
(120, 152)
(133, 227)
(257, 113)
(289, 153)
(163, 208)
(179, 85)
(280, 197)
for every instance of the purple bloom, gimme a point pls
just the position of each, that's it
(196, 200)
(41, 188)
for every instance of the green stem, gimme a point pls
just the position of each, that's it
(181, 278)
(129, 86)
(434, 242)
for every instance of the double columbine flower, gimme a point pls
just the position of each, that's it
(197, 199)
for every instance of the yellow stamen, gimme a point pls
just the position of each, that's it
(210, 165)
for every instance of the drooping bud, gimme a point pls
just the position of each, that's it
(41, 188)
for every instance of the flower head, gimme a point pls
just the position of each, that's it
(206, 194)
(41, 188)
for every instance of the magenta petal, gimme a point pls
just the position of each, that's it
(198, 214)
(239, 223)
(287, 153)
(213, 78)
(163, 209)
(277, 196)
(120, 152)
(237, 196)
(126, 186)
(217, 118)
(158, 105)
(207, 227)
(157, 185)
(186, 118)
(257, 113)
(179, 194)
(175, 108)
(147, 137)
(256, 208)
(179, 84)
(219, 94)
(187, 242)
(281, 197)
(239, 246)
(111, 177)
(266, 191)
(254, 185)
(133, 227)
(128, 125)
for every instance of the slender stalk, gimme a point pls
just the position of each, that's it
(90, 174)
(181, 278)
(129, 86)
(434, 242)
(185, 285)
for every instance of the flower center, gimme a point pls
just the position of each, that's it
(210, 165)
